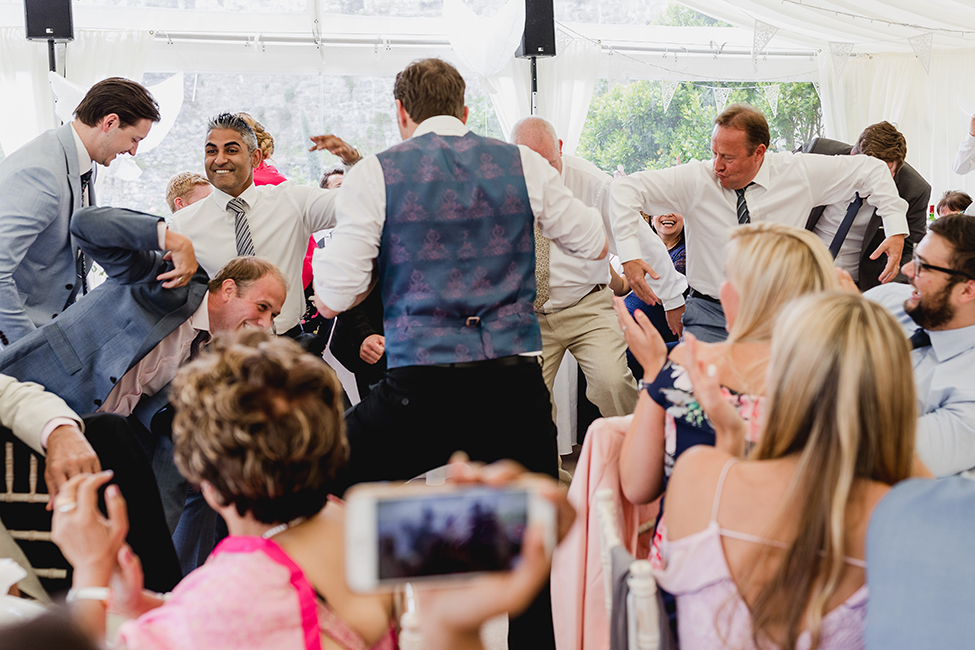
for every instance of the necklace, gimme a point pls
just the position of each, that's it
(280, 528)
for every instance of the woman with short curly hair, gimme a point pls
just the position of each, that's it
(259, 428)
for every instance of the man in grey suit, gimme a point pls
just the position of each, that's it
(117, 349)
(42, 184)
(885, 142)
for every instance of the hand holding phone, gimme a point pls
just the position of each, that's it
(400, 533)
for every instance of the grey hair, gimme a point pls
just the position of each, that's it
(234, 122)
(533, 125)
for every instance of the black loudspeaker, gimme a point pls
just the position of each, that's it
(539, 37)
(49, 20)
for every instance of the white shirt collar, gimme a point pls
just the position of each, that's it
(441, 125)
(222, 198)
(84, 160)
(200, 320)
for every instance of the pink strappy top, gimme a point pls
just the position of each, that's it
(711, 613)
(248, 594)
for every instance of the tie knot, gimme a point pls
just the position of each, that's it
(237, 204)
(741, 192)
(920, 339)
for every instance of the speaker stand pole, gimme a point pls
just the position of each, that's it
(52, 63)
(534, 98)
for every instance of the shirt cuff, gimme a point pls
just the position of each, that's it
(629, 250)
(54, 424)
(161, 230)
(673, 303)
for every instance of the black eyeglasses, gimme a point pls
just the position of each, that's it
(924, 266)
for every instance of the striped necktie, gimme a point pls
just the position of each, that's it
(743, 216)
(242, 230)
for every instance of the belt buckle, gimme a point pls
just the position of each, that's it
(473, 321)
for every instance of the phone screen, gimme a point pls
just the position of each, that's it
(474, 530)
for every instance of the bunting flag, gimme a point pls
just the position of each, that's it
(772, 97)
(763, 34)
(840, 52)
(721, 98)
(922, 47)
(669, 88)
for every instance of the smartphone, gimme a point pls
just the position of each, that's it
(410, 533)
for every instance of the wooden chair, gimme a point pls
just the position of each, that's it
(22, 510)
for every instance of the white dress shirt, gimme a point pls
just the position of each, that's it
(343, 269)
(944, 374)
(848, 258)
(572, 278)
(281, 219)
(787, 187)
(965, 158)
(85, 163)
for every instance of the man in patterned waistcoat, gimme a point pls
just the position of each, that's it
(445, 223)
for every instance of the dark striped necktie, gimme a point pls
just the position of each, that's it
(242, 230)
(743, 216)
(80, 262)
(199, 342)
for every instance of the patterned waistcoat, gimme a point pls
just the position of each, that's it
(457, 263)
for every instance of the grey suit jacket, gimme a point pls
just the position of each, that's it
(24, 409)
(82, 353)
(40, 188)
(912, 188)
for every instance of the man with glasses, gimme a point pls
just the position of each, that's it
(937, 312)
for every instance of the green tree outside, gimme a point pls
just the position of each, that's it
(627, 124)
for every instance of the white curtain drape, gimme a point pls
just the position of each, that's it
(565, 87)
(930, 110)
(96, 54)
(26, 108)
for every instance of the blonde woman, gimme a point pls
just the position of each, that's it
(767, 265)
(768, 552)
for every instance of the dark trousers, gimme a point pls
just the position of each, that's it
(118, 450)
(413, 420)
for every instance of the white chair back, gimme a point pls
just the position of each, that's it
(642, 612)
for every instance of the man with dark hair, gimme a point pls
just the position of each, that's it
(117, 350)
(741, 184)
(241, 218)
(937, 312)
(42, 184)
(448, 219)
(332, 178)
(953, 201)
(852, 236)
